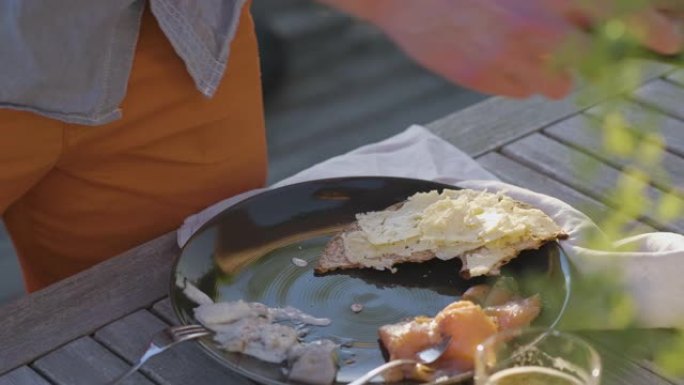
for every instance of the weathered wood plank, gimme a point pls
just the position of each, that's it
(308, 22)
(651, 367)
(677, 77)
(664, 96)
(495, 122)
(274, 6)
(163, 310)
(640, 345)
(498, 121)
(347, 110)
(578, 132)
(644, 117)
(85, 362)
(580, 171)
(515, 173)
(184, 364)
(77, 306)
(23, 376)
(333, 140)
(308, 55)
(619, 371)
(344, 77)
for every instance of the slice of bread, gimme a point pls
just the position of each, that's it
(335, 256)
(478, 259)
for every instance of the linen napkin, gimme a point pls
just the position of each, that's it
(650, 273)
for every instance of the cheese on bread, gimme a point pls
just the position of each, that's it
(484, 229)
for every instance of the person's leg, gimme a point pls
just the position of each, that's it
(174, 153)
(30, 145)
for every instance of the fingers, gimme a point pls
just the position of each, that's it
(525, 65)
(486, 48)
(669, 5)
(539, 77)
(554, 83)
(506, 83)
(651, 23)
(535, 72)
(493, 80)
(550, 59)
(656, 31)
(520, 75)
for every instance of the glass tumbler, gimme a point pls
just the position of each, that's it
(536, 357)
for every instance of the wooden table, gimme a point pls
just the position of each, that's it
(90, 328)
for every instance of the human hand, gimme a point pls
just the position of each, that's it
(656, 24)
(507, 47)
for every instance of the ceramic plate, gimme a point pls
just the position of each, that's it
(247, 253)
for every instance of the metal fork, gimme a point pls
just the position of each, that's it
(163, 340)
(426, 356)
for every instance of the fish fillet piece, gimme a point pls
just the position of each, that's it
(466, 323)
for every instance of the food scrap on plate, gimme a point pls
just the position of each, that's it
(483, 311)
(269, 334)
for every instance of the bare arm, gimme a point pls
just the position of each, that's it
(501, 46)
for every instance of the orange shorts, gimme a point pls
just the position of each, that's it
(72, 196)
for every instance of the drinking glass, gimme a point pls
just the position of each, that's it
(536, 357)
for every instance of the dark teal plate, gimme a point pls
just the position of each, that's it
(246, 253)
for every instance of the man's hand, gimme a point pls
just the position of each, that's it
(652, 22)
(506, 47)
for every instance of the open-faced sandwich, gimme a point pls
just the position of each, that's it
(485, 230)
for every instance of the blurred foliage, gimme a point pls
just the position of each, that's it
(669, 355)
(597, 301)
(608, 70)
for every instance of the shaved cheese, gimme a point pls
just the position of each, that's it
(449, 224)
(485, 260)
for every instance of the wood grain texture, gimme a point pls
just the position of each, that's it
(580, 171)
(345, 85)
(584, 135)
(85, 362)
(352, 74)
(163, 310)
(311, 21)
(22, 376)
(677, 77)
(640, 345)
(77, 306)
(646, 118)
(618, 371)
(374, 126)
(515, 173)
(182, 365)
(664, 96)
(346, 111)
(497, 121)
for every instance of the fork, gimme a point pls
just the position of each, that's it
(426, 356)
(163, 340)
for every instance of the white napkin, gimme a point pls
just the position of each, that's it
(650, 274)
